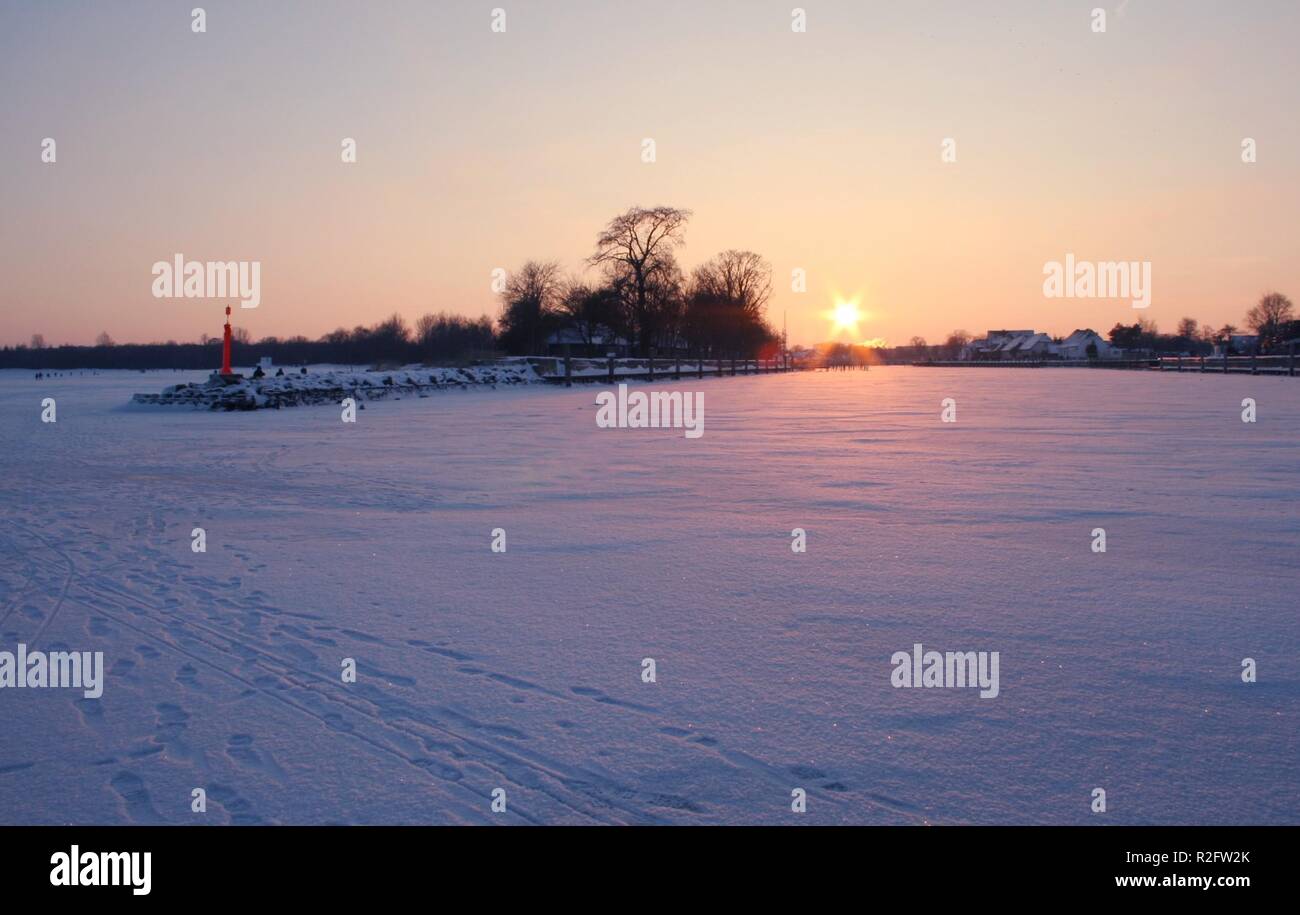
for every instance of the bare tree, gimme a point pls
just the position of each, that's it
(104, 339)
(742, 277)
(665, 304)
(38, 341)
(725, 305)
(1269, 317)
(392, 331)
(425, 327)
(528, 305)
(1187, 329)
(590, 309)
(447, 337)
(955, 343)
(638, 246)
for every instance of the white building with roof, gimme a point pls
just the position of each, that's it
(1076, 346)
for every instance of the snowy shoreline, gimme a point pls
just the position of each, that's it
(274, 392)
(331, 384)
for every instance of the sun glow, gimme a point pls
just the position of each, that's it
(846, 316)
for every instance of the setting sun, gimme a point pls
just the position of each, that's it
(846, 316)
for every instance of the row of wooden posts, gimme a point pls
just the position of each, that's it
(1255, 363)
(1252, 364)
(673, 368)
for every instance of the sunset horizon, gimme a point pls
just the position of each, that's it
(948, 166)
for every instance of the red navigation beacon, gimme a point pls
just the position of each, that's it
(225, 346)
(226, 375)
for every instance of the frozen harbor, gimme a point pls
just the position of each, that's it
(522, 670)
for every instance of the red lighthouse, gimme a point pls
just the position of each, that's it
(226, 375)
(225, 346)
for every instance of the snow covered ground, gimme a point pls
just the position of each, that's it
(325, 385)
(522, 670)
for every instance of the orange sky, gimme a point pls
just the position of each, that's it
(477, 150)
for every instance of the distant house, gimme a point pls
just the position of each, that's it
(601, 341)
(996, 344)
(803, 356)
(1238, 345)
(1029, 345)
(1076, 346)
(1033, 346)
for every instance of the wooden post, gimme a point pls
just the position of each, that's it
(568, 366)
(611, 369)
(1225, 362)
(1291, 361)
(677, 375)
(733, 366)
(652, 365)
(1202, 365)
(1180, 362)
(700, 366)
(1254, 367)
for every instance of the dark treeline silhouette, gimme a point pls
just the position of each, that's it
(441, 338)
(1271, 320)
(642, 303)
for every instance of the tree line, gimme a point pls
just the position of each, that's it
(643, 302)
(1272, 319)
(640, 302)
(436, 338)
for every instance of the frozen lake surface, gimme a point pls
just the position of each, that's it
(522, 670)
